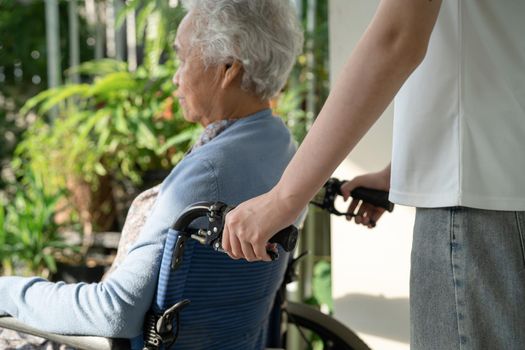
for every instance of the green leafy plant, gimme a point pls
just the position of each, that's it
(95, 141)
(321, 295)
(288, 105)
(156, 24)
(116, 128)
(5, 261)
(29, 236)
(123, 124)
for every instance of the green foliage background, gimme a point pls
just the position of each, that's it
(115, 122)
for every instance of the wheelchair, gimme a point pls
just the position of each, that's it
(161, 324)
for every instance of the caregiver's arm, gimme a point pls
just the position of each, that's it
(115, 307)
(391, 48)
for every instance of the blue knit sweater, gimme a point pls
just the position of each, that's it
(246, 160)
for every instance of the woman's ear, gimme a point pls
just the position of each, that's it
(231, 72)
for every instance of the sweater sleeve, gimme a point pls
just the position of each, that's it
(115, 307)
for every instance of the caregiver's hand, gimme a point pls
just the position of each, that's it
(251, 224)
(367, 214)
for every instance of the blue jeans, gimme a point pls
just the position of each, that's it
(467, 283)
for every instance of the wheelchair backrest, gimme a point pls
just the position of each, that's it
(230, 299)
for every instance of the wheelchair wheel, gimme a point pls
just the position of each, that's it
(314, 327)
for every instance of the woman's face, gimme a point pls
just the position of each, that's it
(197, 86)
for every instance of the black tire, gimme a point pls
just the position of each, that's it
(333, 333)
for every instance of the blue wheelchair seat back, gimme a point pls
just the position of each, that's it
(230, 301)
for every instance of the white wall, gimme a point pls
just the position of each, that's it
(370, 267)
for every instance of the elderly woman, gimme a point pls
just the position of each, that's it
(234, 56)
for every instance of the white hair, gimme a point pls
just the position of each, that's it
(264, 35)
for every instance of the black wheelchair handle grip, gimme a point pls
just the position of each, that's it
(377, 198)
(287, 238)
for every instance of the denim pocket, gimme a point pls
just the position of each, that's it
(520, 220)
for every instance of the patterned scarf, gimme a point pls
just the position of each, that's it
(210, 132)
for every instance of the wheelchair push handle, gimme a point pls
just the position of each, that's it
(286, 238)
(332, 188)
(377, 198)
(216, 215)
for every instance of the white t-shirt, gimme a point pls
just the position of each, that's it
(459, 125)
